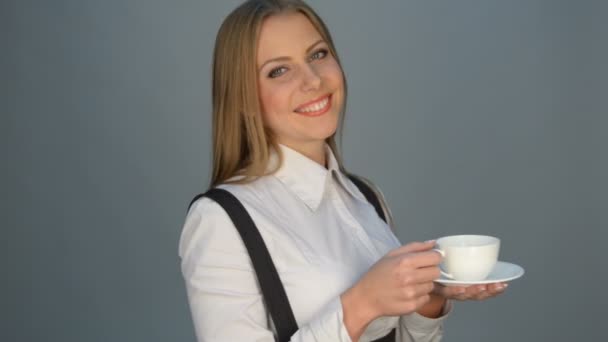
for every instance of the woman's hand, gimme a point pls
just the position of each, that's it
(398, 284)
(441, 293)
(473, 292)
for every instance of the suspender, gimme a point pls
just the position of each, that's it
(369, 194)
(271, 286)
(270, 283)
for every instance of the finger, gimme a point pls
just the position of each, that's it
(460, 294)
(481, 293)
(462, 297)
(499, 287)
(413, 247)
(411, 292)
(424, 274)
(421, 259)
(463, 292)
(475, 291)
(484, 295)
(454, 291)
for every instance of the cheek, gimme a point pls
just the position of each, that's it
(333, 74)
(274, 98)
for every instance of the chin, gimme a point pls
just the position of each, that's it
(324, 135)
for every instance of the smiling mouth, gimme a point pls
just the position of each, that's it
(316, 107)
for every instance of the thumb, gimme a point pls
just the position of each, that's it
(413, 247)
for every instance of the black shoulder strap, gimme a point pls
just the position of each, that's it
(271, 286)
(369, 194)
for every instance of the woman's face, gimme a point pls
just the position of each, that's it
(300, 83)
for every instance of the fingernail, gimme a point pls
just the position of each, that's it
(429, 241)
(439, 251)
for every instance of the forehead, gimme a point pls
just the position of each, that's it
(285, 34)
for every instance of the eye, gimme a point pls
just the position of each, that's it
(276, 72)
(319, 54)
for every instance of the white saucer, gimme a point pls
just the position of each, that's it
(502, 272)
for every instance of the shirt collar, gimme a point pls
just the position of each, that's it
(307, 179)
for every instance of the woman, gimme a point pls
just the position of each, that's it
(279, 95)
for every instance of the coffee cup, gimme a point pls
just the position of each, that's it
(468, 257)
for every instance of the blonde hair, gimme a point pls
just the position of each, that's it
(241, 143)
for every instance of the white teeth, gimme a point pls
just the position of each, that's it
(314, 107)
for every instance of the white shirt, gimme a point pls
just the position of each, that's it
(322, 234)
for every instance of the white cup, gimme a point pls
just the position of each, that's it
(468, 257)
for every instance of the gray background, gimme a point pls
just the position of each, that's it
(480, 116)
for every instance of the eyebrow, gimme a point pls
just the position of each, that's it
(281, 59)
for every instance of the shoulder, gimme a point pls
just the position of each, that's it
(244, 192)
(209, 238)
(207, 222)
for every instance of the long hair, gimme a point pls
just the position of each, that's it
(241, 143)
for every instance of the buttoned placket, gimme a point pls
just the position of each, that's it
(357, 233)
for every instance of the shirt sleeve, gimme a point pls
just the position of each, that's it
(417, 328)
(223, 293)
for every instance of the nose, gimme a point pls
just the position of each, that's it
(310, 79)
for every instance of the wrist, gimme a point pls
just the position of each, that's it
(434, 307)
(357, 314)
